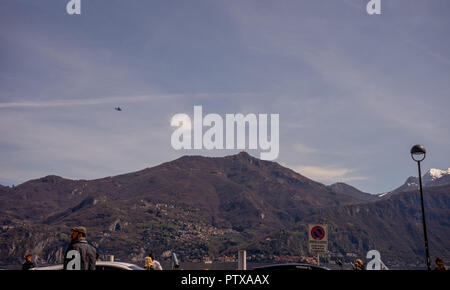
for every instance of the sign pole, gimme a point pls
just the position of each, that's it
(318, 259)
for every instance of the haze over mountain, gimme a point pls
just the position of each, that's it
(211, 207)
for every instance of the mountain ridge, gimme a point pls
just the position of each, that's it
(200, 207)
(432, 177)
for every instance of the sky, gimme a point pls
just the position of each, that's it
(354, 92)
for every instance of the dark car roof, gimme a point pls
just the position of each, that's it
(290, 266)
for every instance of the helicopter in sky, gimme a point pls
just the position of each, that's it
(118, 109)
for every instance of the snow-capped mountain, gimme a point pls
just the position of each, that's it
(433, 177)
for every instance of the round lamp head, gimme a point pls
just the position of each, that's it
(418, 152)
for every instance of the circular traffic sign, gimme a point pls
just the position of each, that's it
(318, 233)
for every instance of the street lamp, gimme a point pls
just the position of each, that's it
(418, 153)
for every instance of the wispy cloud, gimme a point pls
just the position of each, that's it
(328, 174)
(84, 102)
(301, 148)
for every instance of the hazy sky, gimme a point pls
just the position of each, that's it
(354, 91)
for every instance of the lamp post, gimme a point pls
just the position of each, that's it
(418, 153)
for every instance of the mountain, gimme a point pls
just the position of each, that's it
(211, 207)
(219, 187)
(191, 200)
(433, 177)
(392, 226)
(343, 188)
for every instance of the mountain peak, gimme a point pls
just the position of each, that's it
(436, 177)
(437, 173)
(243, 153)
(242, 156)
(51, 178)
(433, 177)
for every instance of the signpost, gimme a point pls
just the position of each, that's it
(318, 240)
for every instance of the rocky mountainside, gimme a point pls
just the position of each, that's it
(392, 226)
(210, 207)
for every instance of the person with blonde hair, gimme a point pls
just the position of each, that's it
(148, 263)
(359, 265)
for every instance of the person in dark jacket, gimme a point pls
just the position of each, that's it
(29, 263)
(87, 253)
(440, 265)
